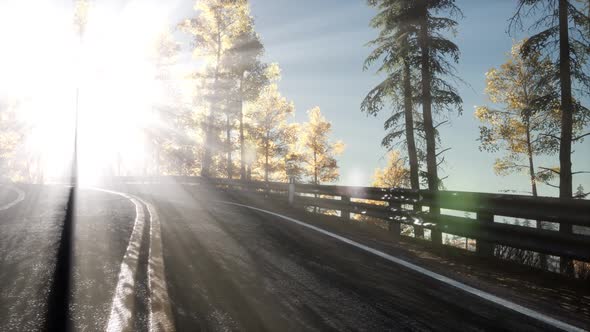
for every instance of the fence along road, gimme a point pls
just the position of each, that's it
(249, 270)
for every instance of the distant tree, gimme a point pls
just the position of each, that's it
(318, 151)
(563, 37)
(528, 118)
(396, 47)
(215, 29)
(81, 8)
(161, 133)
(251, 76)
(245, 78)
(580, 193)
(267, 126)
(394, 175)
(13, 164)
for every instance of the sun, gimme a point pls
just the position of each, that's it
(105, 77)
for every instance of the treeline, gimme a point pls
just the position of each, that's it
(536, 96)
(237, 124)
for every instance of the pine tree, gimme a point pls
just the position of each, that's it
(437, 53)
(396, 46)
(563, 38)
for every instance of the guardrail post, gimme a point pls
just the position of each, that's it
(395, 228)
(345, 213)
(418, 230)
(566, 265)
(484, 248)
(436, 233)
(291, 191)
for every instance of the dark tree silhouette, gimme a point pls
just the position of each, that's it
(396, 47)
(562, 37)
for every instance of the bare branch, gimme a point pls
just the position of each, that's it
(551, 185)
(440, 124)
(580, 137)
(581, 172)
(443, 151)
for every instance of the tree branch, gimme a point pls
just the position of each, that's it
(440, 124)
(551, 185)
(443, 151)
(550, 169)
(581, 172)
(552, 136)
(580, 137)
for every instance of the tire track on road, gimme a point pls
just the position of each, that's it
(121, 317)
(19, 198)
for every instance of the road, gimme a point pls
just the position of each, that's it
(184, 259)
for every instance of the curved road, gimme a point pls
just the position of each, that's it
(176, 258)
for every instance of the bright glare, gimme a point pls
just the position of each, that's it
(111, 69)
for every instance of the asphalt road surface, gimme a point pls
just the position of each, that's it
(174, 258)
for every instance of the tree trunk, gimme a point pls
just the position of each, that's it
(242, 139)
(533, 177)
(411, 142)
(532, 174)
(228, 147)
(315, 168)
(429, 131)
(266, 166)
(409, 118)
(565, 146)
(315, 176)
(565, 151)
(206, 166)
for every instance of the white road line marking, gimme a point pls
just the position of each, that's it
(19, 198)
(159, 303)
(160, 312)
(471, 290)
(121, 316)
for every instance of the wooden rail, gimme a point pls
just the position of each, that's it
(471, 215)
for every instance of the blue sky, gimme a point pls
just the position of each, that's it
(320, 46)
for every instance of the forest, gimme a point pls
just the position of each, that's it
(237, 124)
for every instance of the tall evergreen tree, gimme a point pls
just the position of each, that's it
(414, 43)
(562, 36)
(437, 55)
(396, 47)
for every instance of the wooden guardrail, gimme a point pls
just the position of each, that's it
(478, 216)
